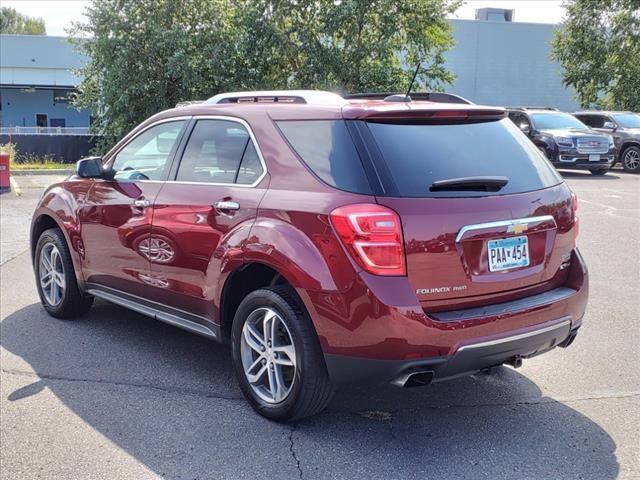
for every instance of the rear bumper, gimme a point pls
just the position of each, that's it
(459, 342)
(468, 359)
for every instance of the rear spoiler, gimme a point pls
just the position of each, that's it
(411, 114)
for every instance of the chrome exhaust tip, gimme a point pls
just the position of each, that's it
(419, 378)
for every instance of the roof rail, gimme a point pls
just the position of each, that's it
(186, 103)
(553, 109)
(439, 97)
(279, 96)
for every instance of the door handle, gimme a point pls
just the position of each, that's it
(141, 203)
(226, 205)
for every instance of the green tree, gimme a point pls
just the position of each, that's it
(599, 47)
(11, 21)
(352, 45)
(148, 55)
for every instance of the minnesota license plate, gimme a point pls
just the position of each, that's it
(508, 253)
(594, 158)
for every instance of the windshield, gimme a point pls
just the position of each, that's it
(555, 121)
(416, 156)
(627, 120)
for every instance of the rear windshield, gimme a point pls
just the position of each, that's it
(418, 155)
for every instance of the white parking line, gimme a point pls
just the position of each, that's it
(15, 187)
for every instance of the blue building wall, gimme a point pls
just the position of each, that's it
(32, 67)
(507, 64)
(19, 108)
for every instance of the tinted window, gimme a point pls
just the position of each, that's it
(520, 119)
(250, 168)
(627, 120)
(418, 155)
(555, 120)
(327, 149)
(215, 152)
(593, 121)
(145, 157)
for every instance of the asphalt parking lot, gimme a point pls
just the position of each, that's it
(117, 395)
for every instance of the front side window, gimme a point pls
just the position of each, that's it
(220, 151)
(145, 157)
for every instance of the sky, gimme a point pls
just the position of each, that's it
(58, 15)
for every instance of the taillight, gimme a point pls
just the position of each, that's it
(373, 236)
(574, 210)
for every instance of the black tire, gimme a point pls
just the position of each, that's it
(73, 302)
(600, 172)
(311, 391)
(629, 159)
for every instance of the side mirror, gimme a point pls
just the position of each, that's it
(90, 167)
(609, 126)
(525, 127)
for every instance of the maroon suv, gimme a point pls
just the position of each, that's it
(326, 240)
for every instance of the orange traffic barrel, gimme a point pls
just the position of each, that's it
(5, 186)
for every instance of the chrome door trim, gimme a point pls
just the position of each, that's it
(502, 223)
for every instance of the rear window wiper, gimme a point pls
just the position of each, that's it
(479, 184)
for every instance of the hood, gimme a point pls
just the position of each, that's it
(574, 132)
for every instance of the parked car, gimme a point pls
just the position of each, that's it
(564, 140)
(325, 240)
(624, 127)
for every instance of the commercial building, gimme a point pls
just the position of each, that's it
(500, 62)
(497, 61)
(36, 83)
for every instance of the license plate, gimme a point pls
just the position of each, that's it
(594, 158)
(508, 253)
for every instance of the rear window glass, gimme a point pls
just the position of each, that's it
(326, 147)
(418, 155)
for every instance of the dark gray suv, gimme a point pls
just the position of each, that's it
(625, 129)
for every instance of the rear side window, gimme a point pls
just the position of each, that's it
(593, 121)
(418, 155)
(219, 151)
(326, 147)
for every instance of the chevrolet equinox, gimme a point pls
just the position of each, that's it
(325, 240)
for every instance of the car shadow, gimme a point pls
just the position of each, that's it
(586, 175)
(169, 399)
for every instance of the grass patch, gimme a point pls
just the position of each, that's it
(43, 166)
(30, 162)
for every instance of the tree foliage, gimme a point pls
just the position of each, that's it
(11, 21)
(148, 55)
(599, 47)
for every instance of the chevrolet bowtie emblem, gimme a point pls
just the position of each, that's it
(517, 228)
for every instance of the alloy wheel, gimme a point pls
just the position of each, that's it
(268, 355)
(51, 273)
(631, 159)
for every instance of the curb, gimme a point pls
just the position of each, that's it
(42, 171)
